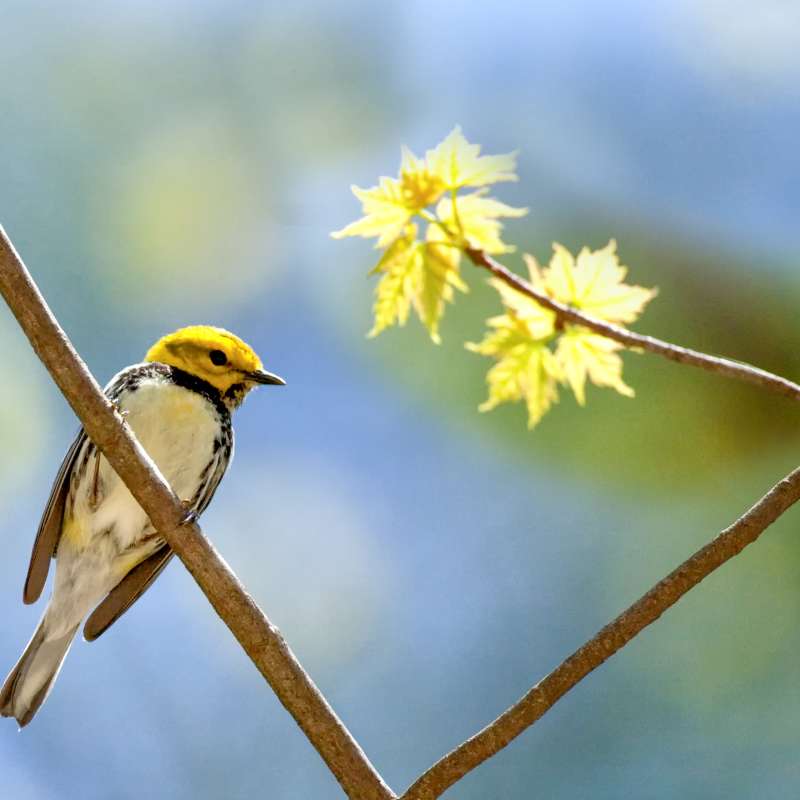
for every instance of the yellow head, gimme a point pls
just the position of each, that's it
(217, 357)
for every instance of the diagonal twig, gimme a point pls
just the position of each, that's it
(646, 610)
(259, 638)
(683, 355)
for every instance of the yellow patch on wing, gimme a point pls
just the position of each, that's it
(126, 561)
(75, 533)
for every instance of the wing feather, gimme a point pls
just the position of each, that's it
(126, 593)
(46, 542)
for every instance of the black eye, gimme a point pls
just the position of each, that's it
(218, 358)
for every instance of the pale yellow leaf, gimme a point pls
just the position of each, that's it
(448, 254)
(385, 213)
(396, 250)
(399, 285)
(440, 264)
(534, 269)
(539, 321)
(525, 370)
(582, 354)
(523, 373)
(459, 163)
(506, 334)
(475, 218)
(420, 186)
(539, 388)
(594, 283)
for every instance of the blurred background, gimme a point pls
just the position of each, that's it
(179, 162)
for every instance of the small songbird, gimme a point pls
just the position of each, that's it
(178, 403)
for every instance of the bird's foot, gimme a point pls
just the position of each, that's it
(190, 515)
(123, 412)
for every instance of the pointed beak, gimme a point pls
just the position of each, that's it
(267, 378)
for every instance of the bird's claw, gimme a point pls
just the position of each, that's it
(189, 514)
(123, 412)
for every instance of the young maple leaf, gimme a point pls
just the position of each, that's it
(475, 218)
(526, 314)
(389, 206)
(526, 368)
(424, 275)
(581, 354)
(418, 275)
(401, 278)
(440, 276)
(385, 213)
(594, 283)
(421, 186)
(459, 163)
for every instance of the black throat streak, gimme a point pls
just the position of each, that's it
(234, 396)
(195, 384)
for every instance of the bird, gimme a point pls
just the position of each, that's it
(178, 402)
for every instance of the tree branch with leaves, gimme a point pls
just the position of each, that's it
(561, 327)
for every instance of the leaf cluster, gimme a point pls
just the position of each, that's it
(425, 223)
(421, 272)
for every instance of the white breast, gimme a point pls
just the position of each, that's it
(177, 427)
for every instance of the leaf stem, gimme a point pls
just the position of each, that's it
(636, 341)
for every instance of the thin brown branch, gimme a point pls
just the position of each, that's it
(609, 640)
(683, 355)
(260, 639)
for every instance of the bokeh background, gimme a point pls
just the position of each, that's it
(166, 163)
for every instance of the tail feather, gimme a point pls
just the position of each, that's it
(29, 683)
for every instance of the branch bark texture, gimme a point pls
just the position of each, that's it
(260, 639)
(646, 610)
(637, 341)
